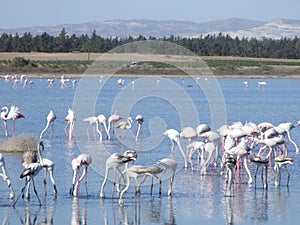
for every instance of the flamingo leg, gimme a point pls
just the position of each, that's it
(34, 189)
(53, 182)
(21, 193)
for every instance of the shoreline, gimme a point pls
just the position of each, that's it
(231, 76)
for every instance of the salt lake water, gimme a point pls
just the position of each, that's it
(170, 103)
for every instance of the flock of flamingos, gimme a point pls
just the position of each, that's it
(233, 147)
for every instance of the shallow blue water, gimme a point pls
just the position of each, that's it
(170, 104)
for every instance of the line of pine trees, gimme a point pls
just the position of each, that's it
(210, 45)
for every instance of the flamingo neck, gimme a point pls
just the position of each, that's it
(40, 155)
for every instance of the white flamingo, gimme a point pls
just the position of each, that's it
(70, 118)
(139, 120)
(152, 171)
(50, 120)
(124, 125)
(30, 171)
(111, 121)
(81, 160)
(174, 135)
(5, 177)
(288, 127)
(282, 160)
(115, 161)
(93, 121)
(261, 161)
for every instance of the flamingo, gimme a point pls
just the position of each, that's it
(50, 120)
(124, 125)
(64, 82)
(239, 152)
(261, 161)
(13, 114)
(188, 133)
(111, 121)
(202, 128)
(139, 120)
(70, 118)
(102, 120)
(93, 121)
(174, 135)
(48, 165)
(81, 160)
(145, 171)
(50, 82)
(5, 177)
(115, 161)
(230, 162)
(196, 145)
(30, 171)
(120, 82)
(282, 160)
(152, 171)
(212, 146)
(263, 126)
(172, 165)
(287, 127)
(30, 157)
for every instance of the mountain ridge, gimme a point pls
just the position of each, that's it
(235, 27)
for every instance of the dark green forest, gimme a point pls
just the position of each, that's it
(210, 45)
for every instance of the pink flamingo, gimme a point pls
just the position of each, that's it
(13, 114)
(50, 120)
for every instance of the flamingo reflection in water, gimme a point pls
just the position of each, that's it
(139, 211)
(79, 212)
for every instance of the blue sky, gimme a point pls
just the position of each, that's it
(24, 13)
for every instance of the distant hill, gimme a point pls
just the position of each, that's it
(123, 28)
(275, 29)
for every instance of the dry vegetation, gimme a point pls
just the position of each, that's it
(20, 143)
(75, 64)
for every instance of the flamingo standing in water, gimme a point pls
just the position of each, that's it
(93, 121)
(111, 121)
(81, 160)
(70, 118)
(50, 120)
(5, 177)
(152, 171)
(115, 161)
(282, 160)
(174, 137)
(13, 114)
(125, 125)
(287, 127)
(30, 171)
(102, 120)
(30, 157)
(139, 120)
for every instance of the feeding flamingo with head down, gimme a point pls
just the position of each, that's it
(50, 120)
